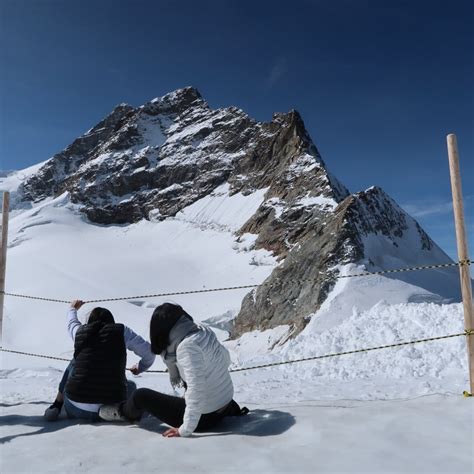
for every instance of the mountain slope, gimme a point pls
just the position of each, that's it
(175, 158)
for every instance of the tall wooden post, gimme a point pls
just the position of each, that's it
(463, 253)
(3, 255)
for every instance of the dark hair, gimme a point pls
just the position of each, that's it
(162, 321)
(100, 314)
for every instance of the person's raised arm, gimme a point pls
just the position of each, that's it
(141, 348)
(73, 324)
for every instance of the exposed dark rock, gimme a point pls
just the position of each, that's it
(305, 277)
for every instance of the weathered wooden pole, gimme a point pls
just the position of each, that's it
(3, 255)
(463, 253)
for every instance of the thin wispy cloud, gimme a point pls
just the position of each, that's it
(278, 70)
(425, 209)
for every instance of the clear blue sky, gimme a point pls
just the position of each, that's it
(379, 83)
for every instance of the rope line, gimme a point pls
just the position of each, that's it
(29, 297)
(409, 269)
(241, 287)
(467, 332)
(31, 354)
(44, 356)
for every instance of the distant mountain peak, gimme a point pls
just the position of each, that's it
(176, 101)
(153, 161)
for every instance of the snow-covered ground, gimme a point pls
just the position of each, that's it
(426, 434)
(396, 410)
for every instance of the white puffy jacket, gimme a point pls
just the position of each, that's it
(203, 363)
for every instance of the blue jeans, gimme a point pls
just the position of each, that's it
(74, 412)
(66, 375)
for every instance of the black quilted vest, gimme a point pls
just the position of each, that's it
(100, 358)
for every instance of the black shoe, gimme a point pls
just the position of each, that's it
(52, 413)
(233, 409)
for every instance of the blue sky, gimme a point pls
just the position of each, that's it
(378, 83)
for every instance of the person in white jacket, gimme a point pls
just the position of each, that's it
(195, 360)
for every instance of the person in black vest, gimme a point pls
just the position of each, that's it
(96, 375)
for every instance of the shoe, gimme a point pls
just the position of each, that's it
(111, 413)
(52, 413)
(233, 409)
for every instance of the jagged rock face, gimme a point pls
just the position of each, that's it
(374, 211)
(53, 178)
(299, 286)
(152, 161)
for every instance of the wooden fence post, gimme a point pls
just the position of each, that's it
(3, 255)
(463, 253)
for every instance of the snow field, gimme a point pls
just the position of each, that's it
(343, 436)
(54, 253)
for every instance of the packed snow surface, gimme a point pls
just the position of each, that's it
(395, 410)
(426, 434)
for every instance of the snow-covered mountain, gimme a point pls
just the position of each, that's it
(264, 185)
(174, 196)
(175, 152)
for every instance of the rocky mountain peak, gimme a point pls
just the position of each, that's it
(294, 122)
(175, 102)
(185, 95)
(153, 161)
(162, 156)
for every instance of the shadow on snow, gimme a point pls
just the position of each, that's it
(256, 423)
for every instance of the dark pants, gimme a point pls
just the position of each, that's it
(168, 409)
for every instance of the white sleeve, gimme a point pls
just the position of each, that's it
(190, 360)
(73, 324)
(140, 347)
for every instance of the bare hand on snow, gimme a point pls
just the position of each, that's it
(172, 433)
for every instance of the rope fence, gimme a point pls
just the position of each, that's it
(242, 287)
(467, 332)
